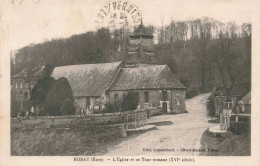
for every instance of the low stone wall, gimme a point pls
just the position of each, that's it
(71, 121)
(154, 111)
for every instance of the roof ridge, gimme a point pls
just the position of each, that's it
(91, 64)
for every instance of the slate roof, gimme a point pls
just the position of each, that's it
(39, 71)
(23, 73)
(88, 79)
(148, 77)
(36, 71)
(141, 30)
(146, 46)
(246, 99)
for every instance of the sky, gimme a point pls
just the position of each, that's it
(33, 21)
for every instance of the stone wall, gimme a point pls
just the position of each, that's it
(68, 121)
(175, 99)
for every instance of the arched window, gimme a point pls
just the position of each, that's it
(164, 95)
(16, 85)
(116, 97)
(26, 95)
(124, 95)
(146, 97)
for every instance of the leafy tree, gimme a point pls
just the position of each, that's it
(42, 86)
(112, 107)
(186, 46)
(130, 101)
(68, 107)
(60, 91)
(41, 89)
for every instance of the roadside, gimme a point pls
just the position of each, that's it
(236, 144)
(179, 134)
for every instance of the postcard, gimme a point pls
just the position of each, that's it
(129, 82)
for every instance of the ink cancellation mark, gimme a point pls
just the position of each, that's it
(117, 14)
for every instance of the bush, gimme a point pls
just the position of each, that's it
(43, 112)
(240, 127)
(112, 107)
(191, 93)
(60, 91)
(15, 108)
(68, 107)
(130, 101)
(23, 113)
(41, 89)
(211, 107)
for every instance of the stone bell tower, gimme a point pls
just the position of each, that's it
(141, 50)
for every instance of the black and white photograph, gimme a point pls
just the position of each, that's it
(150, 81)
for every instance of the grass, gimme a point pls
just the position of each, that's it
(91, 141)
(237, 144)
(50, 142)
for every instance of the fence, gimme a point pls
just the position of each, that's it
(227, 105)
(135, 120)
(131, 119)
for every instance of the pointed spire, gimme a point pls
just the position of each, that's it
(141, 30)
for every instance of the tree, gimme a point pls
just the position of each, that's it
(130, 101)
(42, 86)
(60, 91)
(41, 89)
(226, 56)
(68, 107)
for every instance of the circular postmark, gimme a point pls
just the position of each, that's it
(117, 14)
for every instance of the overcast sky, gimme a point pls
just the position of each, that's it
(34, 21)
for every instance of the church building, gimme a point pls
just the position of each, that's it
(93, 85)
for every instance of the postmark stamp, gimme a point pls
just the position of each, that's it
(116, 14)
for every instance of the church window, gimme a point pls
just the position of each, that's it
(116, 97)
(16, 85)
(146, 97)
(26, 95)
(124, 95)
(164, 95)
(149, 59)
(88, 101)
(21, 85)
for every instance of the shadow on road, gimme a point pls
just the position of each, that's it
(162, 123)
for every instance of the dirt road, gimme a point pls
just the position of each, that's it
(182, 131)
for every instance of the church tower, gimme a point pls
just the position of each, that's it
(141, 50)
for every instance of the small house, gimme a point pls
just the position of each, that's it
(245, 104)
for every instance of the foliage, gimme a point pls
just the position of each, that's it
(130, 101)
(47, 70)
(41, 89)
(68, 107)
(205, 52)
(15, 108)
(211, 107)
(240, 127)
(191, 93)
(53, 142)
(112, 107)
(43, 112)
(233, 145)
(60, 91)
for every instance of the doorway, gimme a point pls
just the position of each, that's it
(164, 106)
